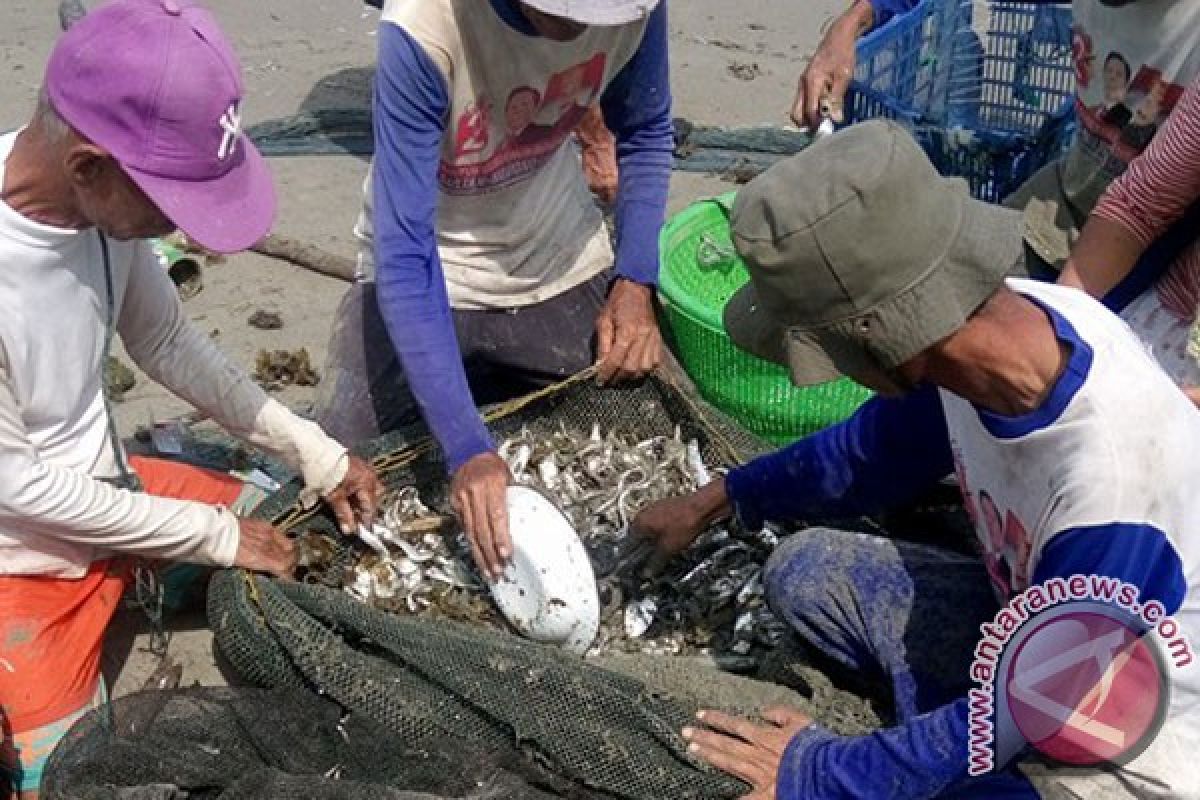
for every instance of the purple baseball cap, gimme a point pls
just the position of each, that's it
(156, 84)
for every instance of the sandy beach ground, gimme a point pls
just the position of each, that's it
(733, 64)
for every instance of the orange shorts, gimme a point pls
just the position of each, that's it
(52, 629)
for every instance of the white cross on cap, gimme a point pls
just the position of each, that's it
(231, 123)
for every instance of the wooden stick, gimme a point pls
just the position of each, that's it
(306, 255)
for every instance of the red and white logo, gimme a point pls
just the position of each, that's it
(474, 129)
(1085, 689)
(1076, 667)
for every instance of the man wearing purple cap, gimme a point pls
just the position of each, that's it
(137, 133)
(482, 244)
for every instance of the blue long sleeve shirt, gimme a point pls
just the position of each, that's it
(411, 107)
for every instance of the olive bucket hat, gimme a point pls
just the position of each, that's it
(861, 254)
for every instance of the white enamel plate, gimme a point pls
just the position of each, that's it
(548, 591)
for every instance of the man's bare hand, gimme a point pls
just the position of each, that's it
(628, 342)
(263, 548)
(356, 498)
(477, 494)
(822, 89)
(745, 750)
(673, 524)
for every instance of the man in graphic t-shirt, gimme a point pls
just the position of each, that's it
(486, 266)
(865, 262)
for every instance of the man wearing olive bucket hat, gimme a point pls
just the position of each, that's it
(486, 267)
(1075, 454)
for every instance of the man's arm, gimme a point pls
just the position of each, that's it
(411, 104)
(71, 506)
(887, 452)
(827, 76)
(175, 353)
(637, 109)
(1143, 206)
(917, 761)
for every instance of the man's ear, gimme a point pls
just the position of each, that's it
(86, 164)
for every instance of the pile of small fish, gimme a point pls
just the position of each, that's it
(601, 482)
(412, 562)
(709, 599)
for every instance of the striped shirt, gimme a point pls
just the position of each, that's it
(1156, 190)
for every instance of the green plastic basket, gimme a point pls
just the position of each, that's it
(700, 272)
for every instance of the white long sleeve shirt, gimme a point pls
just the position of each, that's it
(57, 514)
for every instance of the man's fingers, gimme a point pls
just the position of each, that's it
(342, 512)
(498, 514)
(835, 102)
(729, 755)
(735, 726)
(816, 84)
(737, 767)
(283, 564)
(613, 363)
(473, 542)
(364, 499)
(652, 354)
(477, 554)
(286, 569)
(492, 515)
(766, 793)
(604, 336)
(630, 367)
(482, 525)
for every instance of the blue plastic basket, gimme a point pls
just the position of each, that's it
(986, 87)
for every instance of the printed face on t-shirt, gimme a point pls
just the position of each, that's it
(1150, 109)
(1116, 78)
(521, 110)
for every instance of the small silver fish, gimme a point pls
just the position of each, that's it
(639, 616)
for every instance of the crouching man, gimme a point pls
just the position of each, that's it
(1075, 454)
(136, 134)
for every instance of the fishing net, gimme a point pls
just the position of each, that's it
(238, 744)
(436, 684)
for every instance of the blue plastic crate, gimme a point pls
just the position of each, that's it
(986, 87)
